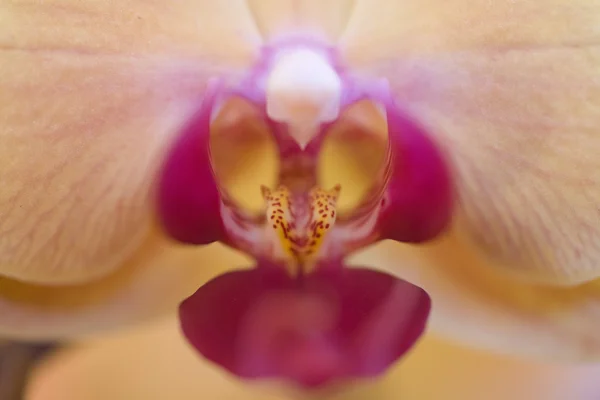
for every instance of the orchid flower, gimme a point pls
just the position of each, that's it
(451, 146)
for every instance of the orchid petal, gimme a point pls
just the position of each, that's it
(516, 107)
(184, 29)
(140, 365)
(519, 124)
(75, 173)
(479, 305)
(329, 328)
(151, 283)
(88, 107)
(325, 20)
(523, 144)
(382, 29)
(86, 112)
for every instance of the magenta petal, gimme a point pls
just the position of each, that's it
(331, 326)
(420, 188)
(188, 198)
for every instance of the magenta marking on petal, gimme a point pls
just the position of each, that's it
(334, 325)
(419, 194)
(389, 316)
(212, 317)
(188, 198)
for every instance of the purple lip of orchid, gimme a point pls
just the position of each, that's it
(300, 314)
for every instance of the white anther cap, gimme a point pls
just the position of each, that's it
(303, 90)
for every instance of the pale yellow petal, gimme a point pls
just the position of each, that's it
(319, 19)
(438, 369)
(91, 94)
(481, 306)
(511, 90)
(156, 364)
(81, 138)
(149, 363)
(214, 30)
(152, 282)
(518, 112)
(383, 29)
(521, 132)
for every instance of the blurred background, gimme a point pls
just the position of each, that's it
(155, 363)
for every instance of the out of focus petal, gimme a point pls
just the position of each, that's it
(319, 19)
(511, 91)
(80, 141)
(138, 368)
(150, 283)
(521, 129)
(185, 28)
(439, 369)
(87, 111)
(382, 29)
(479, 305)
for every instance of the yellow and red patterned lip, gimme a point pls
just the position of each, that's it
(300, 224)
(301, 118)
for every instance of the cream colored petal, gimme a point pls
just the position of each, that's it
(156, 364)
(315, 18)
(151, 364)
(440, 370)
(480, 306)
(512, 91)
(521, 129)
(91, 94)
(383, 28)
(81, 138)
(137, 27)
(152, 282)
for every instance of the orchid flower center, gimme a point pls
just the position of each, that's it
(300, 164)
(320, 159)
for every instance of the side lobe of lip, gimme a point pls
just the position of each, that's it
(188, 197)
(420, 190)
